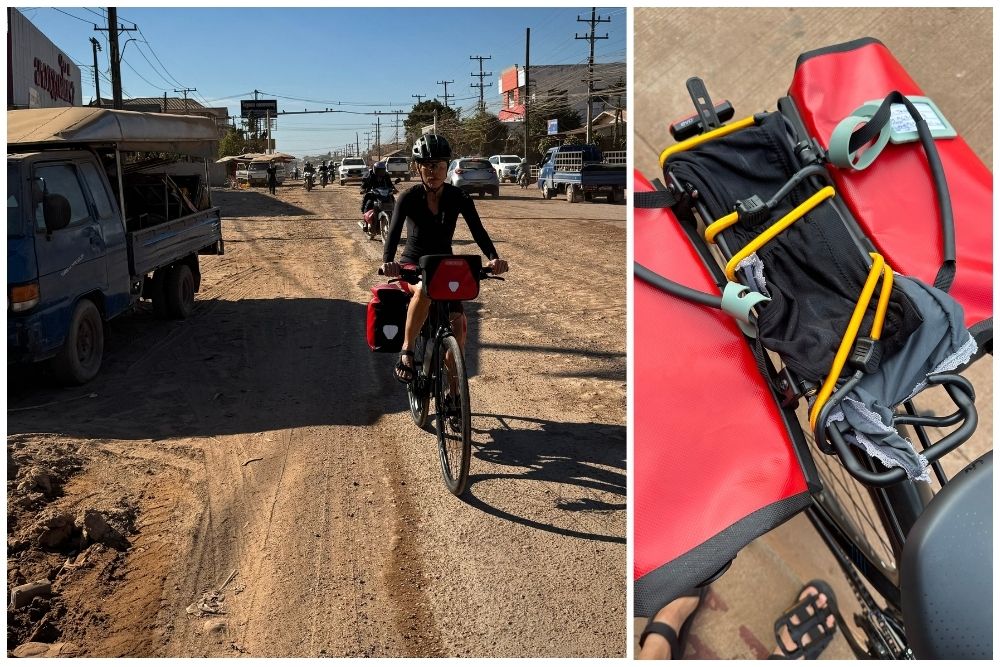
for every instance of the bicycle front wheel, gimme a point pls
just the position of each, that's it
(454, 415)
(417, 391)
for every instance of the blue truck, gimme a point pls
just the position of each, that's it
(581, 173)
(100, 216)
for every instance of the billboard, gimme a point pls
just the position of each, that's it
(553, 126)
(258, 108)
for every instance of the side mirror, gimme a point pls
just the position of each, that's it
(397, 180)
(56, 210)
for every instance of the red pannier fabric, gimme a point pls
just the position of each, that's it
(387, 317)
(713, 464)
(894, 199)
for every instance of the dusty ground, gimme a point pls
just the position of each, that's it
(258, 461)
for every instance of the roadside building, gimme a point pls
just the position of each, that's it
(562, 84)
(175, 105)
(39, 73)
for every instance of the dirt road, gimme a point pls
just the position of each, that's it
(262, 438)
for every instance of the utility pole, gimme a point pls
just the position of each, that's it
(368, 141)
(97, 74)
(593, 21)
(378, 135)
(527, 61)
(114, 55)
(446, 95)
(419, 97)
(397, 113)
(186, 91)
(481, 75)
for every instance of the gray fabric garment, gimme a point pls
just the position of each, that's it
(940, 344)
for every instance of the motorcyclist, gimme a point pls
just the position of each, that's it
(430, 210)
(324, 173)
(378, 177)
(522, 172)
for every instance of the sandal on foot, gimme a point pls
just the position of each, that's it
(812, 624)
(404, 372)
(676, 639)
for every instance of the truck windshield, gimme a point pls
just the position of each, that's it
(15, 220)
(510, 159)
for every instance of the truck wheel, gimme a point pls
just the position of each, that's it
(546, 192)
(79, 360)
(178, 291)
(573, 194)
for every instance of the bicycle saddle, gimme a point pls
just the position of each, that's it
(946, 573)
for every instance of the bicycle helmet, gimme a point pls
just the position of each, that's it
(379, 168)
(431, 147)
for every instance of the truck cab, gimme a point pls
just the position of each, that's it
(581, 172)
(89, 234)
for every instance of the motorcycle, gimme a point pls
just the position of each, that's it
(309, 179)
(522, 178)
(377, 218)
(323, 177)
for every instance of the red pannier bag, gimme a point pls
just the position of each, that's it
(714, 466)
(894, 199)
(387, 317)
(451, 277)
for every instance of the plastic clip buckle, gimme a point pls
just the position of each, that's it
(738, 300)
(752, 211)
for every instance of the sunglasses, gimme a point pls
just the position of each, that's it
(432, 166)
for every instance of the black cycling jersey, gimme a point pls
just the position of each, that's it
(430, 234)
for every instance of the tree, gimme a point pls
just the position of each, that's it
(422, 115)
(236, 142)
(546, 107)
(482, 134)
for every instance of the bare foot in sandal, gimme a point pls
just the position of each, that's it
(806, 628)
(659, 644)
(404, 367)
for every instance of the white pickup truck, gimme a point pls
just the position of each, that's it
(397, 167)
(352, 169)
(506, 167)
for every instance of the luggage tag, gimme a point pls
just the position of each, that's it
(900, 129)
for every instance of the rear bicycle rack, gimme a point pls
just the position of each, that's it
(785, 384)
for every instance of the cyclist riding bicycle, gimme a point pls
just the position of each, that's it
(378, 177)
(432, 210)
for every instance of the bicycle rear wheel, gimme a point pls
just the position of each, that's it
(454, 425)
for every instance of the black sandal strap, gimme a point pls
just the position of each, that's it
(665, 631)
(811, 625)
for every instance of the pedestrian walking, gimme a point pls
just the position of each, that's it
(272, 177)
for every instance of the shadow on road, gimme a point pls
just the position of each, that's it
(251, 204)
(564, 478)
(236, 366)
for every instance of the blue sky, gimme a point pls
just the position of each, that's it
(313, 58)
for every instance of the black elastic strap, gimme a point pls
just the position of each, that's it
(870, 130)
(676, 289)
(655, 199)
